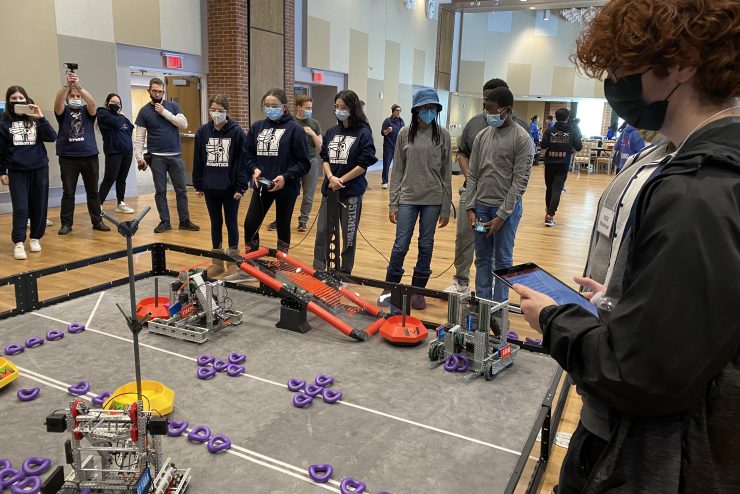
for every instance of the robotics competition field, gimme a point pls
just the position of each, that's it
(400, 426)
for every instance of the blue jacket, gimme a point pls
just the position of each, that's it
(219, 161)
(279, 148)
(117, 130)
(534, 131)
(345, 149)
(629, 143)
(396, 124)
(22, 146)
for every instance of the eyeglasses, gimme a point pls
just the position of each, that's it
(156, 91)
(341, 108)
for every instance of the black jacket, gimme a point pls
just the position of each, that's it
(117, 131)
(219, 161)
(22, 143)
(558, 143)
(666, 360)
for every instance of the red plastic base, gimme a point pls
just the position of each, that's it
(160, 311)
(394, 332)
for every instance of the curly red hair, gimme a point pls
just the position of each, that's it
(630, 34)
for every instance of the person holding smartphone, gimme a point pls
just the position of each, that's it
(220, 175)
(118, 148)
(75, 111)
(277, 158)
(24, 167)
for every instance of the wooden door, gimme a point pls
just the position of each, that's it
(185, 91)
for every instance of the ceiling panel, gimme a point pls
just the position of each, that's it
(489, 5)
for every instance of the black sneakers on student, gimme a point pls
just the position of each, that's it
(163, 226)
(101, 227)
(188, 225)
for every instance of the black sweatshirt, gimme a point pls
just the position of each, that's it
(558, 143)
(344, 149)
(117, 130)
(22, 144)
(219, 162)
(279, 148)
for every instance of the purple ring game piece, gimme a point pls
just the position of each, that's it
(86, 490)
(295, 385)
(513, 335)
(220, 365)
(14, 349)
(313, 391)
(323, 380)
(28, 394)
(36, 466)
(200, 434)
(54, 335)
(204, 360)
(101, 398)
(462, 363)
(451, 363)
(75, 328)
(80, 388)
(236, 358)
(5, 463)
(205, 372)
(34, 342)
(9, 476)
(175, 428)
(331, 396)
(302, 400)
(320, 473)
(234, 370)
(218, 443)
(384, 492)
(351, 486)
(534, 341)
(29, 485)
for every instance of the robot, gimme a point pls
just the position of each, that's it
(463, 343)
(197, 309)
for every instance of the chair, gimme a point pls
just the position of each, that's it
(583, 157)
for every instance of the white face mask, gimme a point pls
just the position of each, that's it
(218, 117)
(75, 104)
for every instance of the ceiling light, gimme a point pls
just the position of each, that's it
(532, 8)
(547, 15)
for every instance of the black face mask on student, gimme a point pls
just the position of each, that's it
(114, 107)
(625, 97)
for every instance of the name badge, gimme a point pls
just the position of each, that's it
(606, 221)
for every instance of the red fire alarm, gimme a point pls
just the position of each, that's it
(172, 61)
(317, 76)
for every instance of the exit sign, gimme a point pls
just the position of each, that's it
(172, 61)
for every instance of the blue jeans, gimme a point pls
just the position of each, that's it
(494, 252)
(407, 215)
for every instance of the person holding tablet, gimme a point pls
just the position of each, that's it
(663, 366)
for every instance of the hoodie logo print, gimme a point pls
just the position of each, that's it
(268, 142)
(339, 149)
(22, 135)
(218, 151)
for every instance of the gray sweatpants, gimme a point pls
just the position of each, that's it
(308, 184)
(174, 166)
(464, 242)
(349, 221)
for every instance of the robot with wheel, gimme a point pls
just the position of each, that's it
(463, 343)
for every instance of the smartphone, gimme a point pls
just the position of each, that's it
(23, 109)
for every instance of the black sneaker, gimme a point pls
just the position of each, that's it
(101, 227)
(301, 226)
(272, 226)
(65, 229)
(163, 226)
(188, 225)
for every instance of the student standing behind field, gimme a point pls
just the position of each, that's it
(391, 127)
(118, 148)
(558, 143)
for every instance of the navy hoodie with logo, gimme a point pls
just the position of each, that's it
(219, 162)
(559, 141)
(22, 143)
(344, 149)
(279, 148)
(117, 130)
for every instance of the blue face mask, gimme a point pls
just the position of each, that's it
(495, 120)
(307, 113)
(341, 115)
(273, 114)
(427, 115)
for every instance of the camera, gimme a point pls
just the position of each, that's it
(267, 183)
(71, 67)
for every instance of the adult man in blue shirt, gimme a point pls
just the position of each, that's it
(391, 126)
(74, 109)
(159, 123)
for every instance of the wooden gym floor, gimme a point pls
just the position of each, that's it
(561, 250)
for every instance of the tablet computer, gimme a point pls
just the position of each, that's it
(534, 277)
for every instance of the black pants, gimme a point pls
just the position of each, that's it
(71, 169)
(116, 170)
(29, 194)
(221, 204)
(583, 452)
(258, 207)
(555, 177)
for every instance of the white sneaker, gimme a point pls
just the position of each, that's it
(456, 287)
(124, 208)
(19, 252)
(384, 186)
(35, 245)
(48, 223)
(239, 277)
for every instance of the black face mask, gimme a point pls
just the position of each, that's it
(114, 108)
(625, 97)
